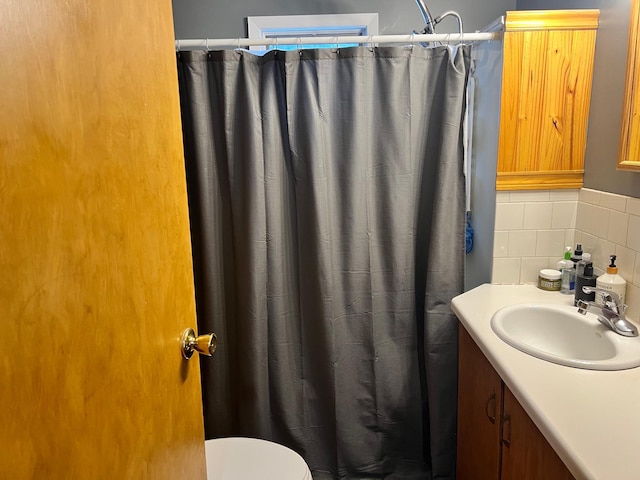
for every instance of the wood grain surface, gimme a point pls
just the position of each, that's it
(546, 93)
(96, 280)
(629, 151)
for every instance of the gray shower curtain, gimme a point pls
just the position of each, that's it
(326, 196)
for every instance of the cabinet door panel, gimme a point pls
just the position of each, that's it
(546, 91)
(479, 408)
(526, 454)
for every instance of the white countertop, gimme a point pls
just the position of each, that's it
(591, 418)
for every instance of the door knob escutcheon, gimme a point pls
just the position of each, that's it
(203, 344)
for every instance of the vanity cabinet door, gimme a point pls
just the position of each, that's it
(526, 454)
(479, 407)
(496, 437)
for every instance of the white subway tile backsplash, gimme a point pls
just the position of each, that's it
(570, 237)
(522, 243)
(532, 229)
(618, 226)
(578, 237)
(632, 299)
(537, 216)
(563, 214)
(564, 195)
(500, 244)
(589, 244)
(626, 261)
(509, 216)
(633, 206)
(589, 196)
(600, 222)
(604, 250)
(613, 201)
(530, 196)
(506, 270)
(503, 197)
(584, 216)
(530, 268)
(550, 243)
(633, 233)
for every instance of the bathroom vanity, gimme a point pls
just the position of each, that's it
(523, 417)
(496, 438)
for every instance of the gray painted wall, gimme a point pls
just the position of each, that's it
(487, 57)
(607, 93)
(227, 18)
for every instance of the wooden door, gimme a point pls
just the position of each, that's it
(96, 280)
(479, 408)
(526, 454)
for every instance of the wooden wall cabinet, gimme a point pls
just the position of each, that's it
(496, 438)
(546, 92)
(629, 153)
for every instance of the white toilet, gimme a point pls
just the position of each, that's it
(239, 458)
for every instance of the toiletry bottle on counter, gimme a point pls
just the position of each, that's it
(575, 258)
(585, 278)
(611, 281)
(577, 254)
(566, 267)
(580, 266)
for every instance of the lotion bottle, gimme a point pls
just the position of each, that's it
(611, 281)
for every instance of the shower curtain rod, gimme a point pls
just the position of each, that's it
(227, 43)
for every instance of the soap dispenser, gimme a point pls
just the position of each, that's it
(567, 269)
(611, 281)
(585, 278)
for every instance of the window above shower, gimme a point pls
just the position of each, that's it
(294, 26)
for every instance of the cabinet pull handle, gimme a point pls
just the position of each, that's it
(506, 430)
(491, 403)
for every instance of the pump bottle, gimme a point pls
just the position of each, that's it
(567, 269)
(611, 281)
(584, 278)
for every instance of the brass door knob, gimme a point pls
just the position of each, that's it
(203, 344)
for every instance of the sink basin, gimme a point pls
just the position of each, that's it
(559, 334)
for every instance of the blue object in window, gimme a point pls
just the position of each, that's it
(311, 45)
(328, 31)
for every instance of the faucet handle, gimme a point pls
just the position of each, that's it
(607, 295)
(582, 306)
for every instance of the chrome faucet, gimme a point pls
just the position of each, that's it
(611, 313)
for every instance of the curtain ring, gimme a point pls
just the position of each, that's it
(299, 45)
(337, 45)
(413, 40)
(206, 43)
(177, 45)
(238, 46)
(370, 42)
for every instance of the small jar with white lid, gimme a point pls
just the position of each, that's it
(549, 280)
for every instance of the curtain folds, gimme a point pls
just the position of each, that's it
(326, 195)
